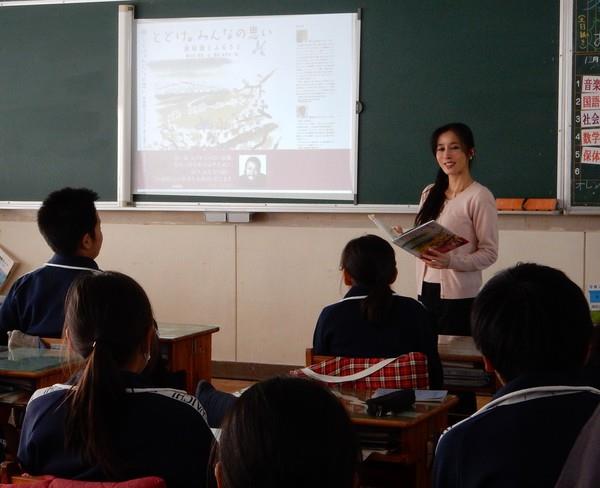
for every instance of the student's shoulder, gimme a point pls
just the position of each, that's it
(410, 305)
(24, 280)
(170, 398)
(336, 307)
(464, 433)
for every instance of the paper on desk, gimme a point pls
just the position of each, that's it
(420, 395)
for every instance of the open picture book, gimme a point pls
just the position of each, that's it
(430, 235)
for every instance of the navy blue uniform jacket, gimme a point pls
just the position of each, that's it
(35, 303)
(163, 433)
(518, 444)
(342, 330)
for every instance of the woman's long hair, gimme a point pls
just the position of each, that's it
(107, 317)
(371, 263)
(432, 206)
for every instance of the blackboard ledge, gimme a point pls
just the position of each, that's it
(582, 211)
(530, 212)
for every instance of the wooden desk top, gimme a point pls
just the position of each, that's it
(458, 348)
(25, 362)
(354, 401)
(176, 332)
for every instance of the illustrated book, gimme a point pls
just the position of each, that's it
(430, 235)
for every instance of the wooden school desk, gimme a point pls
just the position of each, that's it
(22, 371)
(413, 435)
(187, 347)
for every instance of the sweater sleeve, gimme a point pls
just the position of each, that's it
(485, 224)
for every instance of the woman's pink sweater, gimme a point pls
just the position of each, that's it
(471, 214)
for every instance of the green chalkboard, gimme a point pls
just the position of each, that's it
(585, 137)
(492, 64)
(58, 100)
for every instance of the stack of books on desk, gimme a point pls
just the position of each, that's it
(465, 374)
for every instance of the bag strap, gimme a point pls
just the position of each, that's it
(351, 377)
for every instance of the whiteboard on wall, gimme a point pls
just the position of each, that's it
(261, 106)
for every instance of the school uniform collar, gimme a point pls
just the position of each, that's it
(540, 379)
(357, 291)
(73, 261)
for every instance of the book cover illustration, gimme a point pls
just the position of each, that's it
(430, 235)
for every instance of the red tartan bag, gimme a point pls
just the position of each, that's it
(406, 371)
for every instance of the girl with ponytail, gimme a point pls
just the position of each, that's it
(106, 423)
(372, 320)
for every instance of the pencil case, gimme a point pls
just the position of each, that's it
(395, 401)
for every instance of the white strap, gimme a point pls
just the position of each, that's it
(360, 297)
(71, 267)
(351, 377)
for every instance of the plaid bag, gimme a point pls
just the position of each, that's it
(406, 371)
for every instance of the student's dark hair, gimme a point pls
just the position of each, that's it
(65, 217)
(432, 206)
(107, 317)
(287, 432)
(531, 318)
(371, 262)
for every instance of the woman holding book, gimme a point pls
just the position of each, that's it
(448, 282)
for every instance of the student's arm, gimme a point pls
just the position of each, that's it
(446, 472)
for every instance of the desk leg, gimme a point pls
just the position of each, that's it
(192, 355)
(202, 358)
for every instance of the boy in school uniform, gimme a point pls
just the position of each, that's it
(533, 327)
(70, 224)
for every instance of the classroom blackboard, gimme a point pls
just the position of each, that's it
(492, 64)
(58, 100)
(585, 117)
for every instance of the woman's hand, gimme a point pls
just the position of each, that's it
(397, 229)
(435, 259)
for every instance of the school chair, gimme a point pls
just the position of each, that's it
(11, 474)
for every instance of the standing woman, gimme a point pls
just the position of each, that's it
(447, 283)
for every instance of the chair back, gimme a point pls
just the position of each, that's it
(11, 475)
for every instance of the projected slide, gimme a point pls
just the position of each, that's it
(247, 106)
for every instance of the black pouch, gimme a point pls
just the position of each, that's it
(395, 401)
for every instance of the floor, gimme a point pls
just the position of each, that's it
(230, 386)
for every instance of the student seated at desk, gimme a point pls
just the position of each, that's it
(107, 423)
(287, 432)
(532, 325)
(371, 320)
(70, 225)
